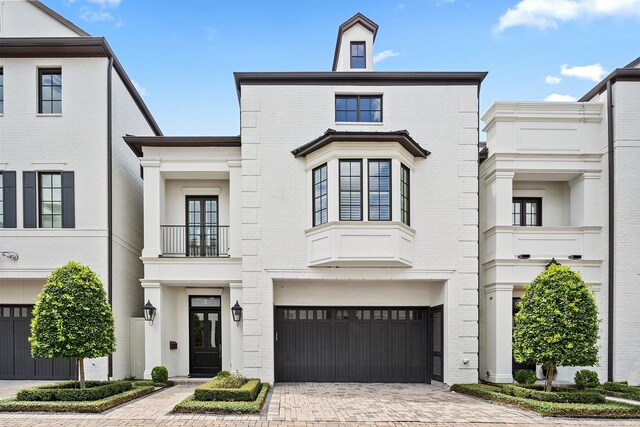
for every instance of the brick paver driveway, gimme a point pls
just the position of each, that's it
(316, 404)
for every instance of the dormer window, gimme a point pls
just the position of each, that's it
(358, 55)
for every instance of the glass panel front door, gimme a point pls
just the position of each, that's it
(202, 226)
(205, 338)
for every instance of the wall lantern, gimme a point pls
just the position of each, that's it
(149, 312)
(236, 311)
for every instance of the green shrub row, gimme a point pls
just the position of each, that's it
(557, 397)
(211, 391)
(191, 405)
(622, 390)
(597, 410)
(56, 392)
(87, 406)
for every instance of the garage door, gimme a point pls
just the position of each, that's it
(15, 352)
(351, 344)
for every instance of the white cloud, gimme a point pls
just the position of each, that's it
(593, 72)
(553, 80)
(556, 97)
(93, 16)
(141, 89)
(384, 55)
(106, 3)
(544, 14)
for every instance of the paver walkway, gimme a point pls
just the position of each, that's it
(9, 388)
(316, 404)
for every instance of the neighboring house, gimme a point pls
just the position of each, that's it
(560, 181)
(70, 187)
(343, 221)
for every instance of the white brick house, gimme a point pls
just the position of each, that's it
(561, 181)
(71, 188)
(343, 220)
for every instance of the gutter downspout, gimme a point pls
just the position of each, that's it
(110, 197)
(611, 254)
(478, 199)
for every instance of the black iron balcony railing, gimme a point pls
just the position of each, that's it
(195, 240)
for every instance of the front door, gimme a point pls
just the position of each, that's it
(202, 226)
(205, 336)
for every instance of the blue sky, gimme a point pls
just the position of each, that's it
(182, 54)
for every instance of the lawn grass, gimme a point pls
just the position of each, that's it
(191, 405)
(86, 406)
(591, 410)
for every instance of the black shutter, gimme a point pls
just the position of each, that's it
(9, 198)
(68, 200)
(29, 200)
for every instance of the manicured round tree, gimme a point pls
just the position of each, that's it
(557, 324)
(72, 318)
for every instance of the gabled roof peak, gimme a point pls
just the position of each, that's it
(358, 18)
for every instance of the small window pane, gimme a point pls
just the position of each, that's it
(379, 190)
(320, 195)
(350, 190)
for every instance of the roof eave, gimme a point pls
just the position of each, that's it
(401, 137)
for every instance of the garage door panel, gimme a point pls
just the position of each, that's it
(415, 356)
(397, 360)
(6, 347)
(341, 350)
(379, 352)
(15, 350)
(325, 351)
(351, 344)
(23, 363)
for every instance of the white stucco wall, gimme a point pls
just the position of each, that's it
(127, 222)
(73, 141)
(18, 18)
(562, 164)
(277, 119)
(626, 101)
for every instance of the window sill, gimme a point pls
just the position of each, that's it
(49, 115)
(359, 123)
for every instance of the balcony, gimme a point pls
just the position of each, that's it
(204, 241)
(360, 244)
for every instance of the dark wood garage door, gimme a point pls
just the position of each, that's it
(16, 362)
(351, 344)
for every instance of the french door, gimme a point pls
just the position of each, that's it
(205, 336)
(202, 226)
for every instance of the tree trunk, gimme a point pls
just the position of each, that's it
(549, 379)
(81, 365)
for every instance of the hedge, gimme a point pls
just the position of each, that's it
(66, 392)
(557, 397)
(211, 391)
(191, 405)
(621, 390)
(87, 406)
(597, 410)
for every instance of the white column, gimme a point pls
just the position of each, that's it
(235, 208)
(499, 332)
(235, 294)
(152, 207)
(500, 196)
(153, 333)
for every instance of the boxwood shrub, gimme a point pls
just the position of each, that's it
(586, 378)
(160, 375)
(599, 410)
(86, 406)
(212, 391)
(525, 376)
(554, 396)
(191, 405)
(67, 391)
